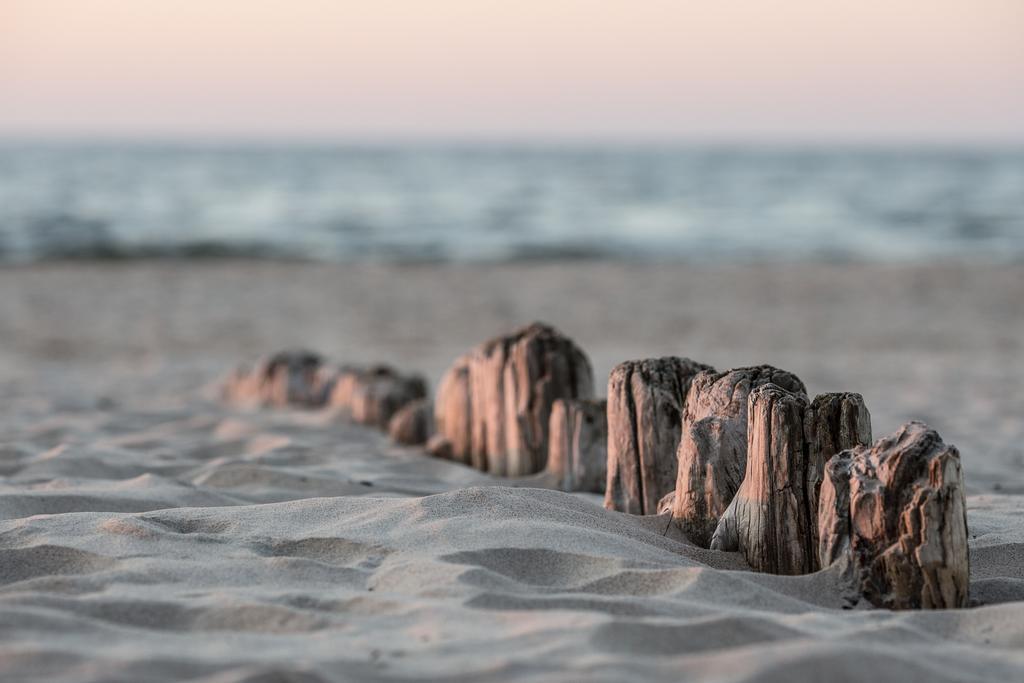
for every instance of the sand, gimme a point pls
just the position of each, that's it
(148, 533)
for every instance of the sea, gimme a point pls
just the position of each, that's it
(501, 202)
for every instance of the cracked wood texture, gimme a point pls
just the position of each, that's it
(777, 503)
(578, 444)
(895, 513)
(413, 424)
(504, 390)
(712, 454)
(834, 423)
(645, 403)
(542, 366)
(771, 519)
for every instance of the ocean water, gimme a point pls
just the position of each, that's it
(430, 203)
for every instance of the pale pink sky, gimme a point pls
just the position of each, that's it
(768, 70)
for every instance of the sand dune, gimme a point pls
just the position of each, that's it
(148, 533)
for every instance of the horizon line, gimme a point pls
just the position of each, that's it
(499, 140)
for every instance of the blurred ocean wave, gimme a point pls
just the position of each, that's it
(465, 203)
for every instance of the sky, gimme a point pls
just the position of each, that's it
(637, 70)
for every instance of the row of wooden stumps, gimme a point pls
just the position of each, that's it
(374, 395)
(742, 460)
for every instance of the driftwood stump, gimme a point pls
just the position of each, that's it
(577, 444)
(895, 513)
(834, 423)
(712, 451)
(511, 382)
(487, 414)
(771, 520)
(341, 383)
(371, 396)
(645, 403)
(381, 393)
(538, 365)
(453, 417)
(287, 378)
(413, 423)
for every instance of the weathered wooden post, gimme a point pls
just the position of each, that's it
(773, 519)
(371, 396)
(542, 366)
(413, 423)
(770, 519)
(645, 403)
(577, 444)
(380, 392)
(895, 513)
(712, 450)
(834, 422)
(286, 378)
(342, 382)
(503, 390)
(453, 418)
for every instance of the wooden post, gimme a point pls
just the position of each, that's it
(834, 511)
(577, 444)
(286, 378)
(413, 424)
(895, 512)
(487, 393)
(453, 416)
(833, 423)
(712, 451)
(770, 519)
(343, 384)
(645, 403)
(509, 384)
(380, 391)
(773, 518)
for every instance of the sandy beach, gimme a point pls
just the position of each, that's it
(150, 533)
